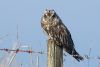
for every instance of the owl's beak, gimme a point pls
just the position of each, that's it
(49, 14)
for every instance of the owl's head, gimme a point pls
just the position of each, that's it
(49, 15)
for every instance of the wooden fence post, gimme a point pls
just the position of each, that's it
(55, 54)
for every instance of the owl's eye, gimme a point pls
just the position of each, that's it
(45, 16)
(54, 16)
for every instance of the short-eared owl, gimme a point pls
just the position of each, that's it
(56, 30)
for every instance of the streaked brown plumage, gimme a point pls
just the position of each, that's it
(56, 30)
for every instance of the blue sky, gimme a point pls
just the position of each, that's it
(82, 17)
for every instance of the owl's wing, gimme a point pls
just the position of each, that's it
(67, 35)
(69, 45)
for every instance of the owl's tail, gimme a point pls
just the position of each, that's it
(75, 54)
